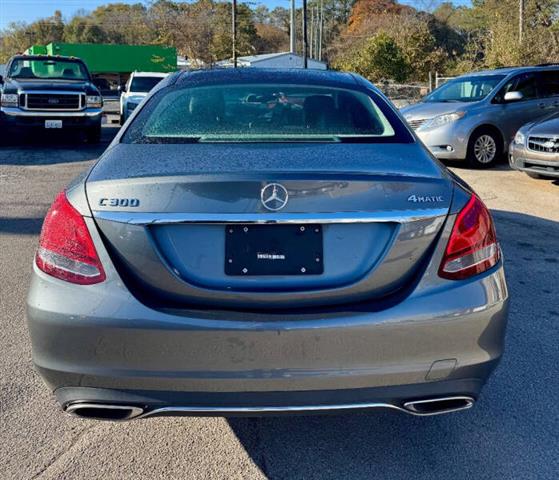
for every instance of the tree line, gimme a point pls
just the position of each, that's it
(199, 30)
(380, 39)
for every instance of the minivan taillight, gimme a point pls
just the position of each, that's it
(66, 250)
(472, 247)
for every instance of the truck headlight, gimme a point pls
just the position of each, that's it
(94, 101)
(519, 138)
(9, 100)
(441, 120)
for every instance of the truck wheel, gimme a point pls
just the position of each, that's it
(484, 148)
(93, 134)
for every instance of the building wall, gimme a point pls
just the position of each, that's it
(105, 58)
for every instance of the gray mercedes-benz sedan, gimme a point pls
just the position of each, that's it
(257, 242)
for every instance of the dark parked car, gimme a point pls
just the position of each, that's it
(301, 255)
(50, 92)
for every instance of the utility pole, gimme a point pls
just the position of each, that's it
(292, 32)
(520, 21)
(311, 40)
(234, 25)
(320, 27)
(305, 41)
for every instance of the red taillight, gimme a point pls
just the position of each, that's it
(66, 250)
(472, 247)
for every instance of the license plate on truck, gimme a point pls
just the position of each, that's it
(53, 123)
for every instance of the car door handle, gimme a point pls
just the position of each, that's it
(541, 105)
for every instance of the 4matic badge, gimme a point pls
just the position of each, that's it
(425, 199)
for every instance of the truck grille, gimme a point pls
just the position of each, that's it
(415, 124)
(544, 144)
(53, 101)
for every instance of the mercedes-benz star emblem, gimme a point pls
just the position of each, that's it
(274, 196)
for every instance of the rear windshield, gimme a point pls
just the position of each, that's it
(144, 84)
(248, 113)
(48, 70)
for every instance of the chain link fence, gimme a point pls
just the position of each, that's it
(403, 94)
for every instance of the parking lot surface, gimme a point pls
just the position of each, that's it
(512, 432)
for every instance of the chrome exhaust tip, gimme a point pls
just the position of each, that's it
(438, 406)
(98, 411)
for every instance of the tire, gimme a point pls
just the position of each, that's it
(485, 148)
(93, 134)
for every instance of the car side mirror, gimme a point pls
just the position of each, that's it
(513, 97)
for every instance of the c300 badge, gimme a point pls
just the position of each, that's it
(119, 202)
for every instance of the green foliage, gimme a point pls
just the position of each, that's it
(378, 58)
(420, 50)
(382, 39)
(19, 36)
(222, 46)
(83, 30)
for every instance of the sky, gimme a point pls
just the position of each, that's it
(30, 10)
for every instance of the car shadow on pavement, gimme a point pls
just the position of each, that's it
(20, 226)
(499, 167)
(511, 432)
(52, 148)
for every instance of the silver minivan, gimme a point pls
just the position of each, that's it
(474, 117)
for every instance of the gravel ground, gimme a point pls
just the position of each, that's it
(513, 432)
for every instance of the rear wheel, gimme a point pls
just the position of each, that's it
(93, 134)
(484, 149)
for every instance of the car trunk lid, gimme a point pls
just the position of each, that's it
(165, 214)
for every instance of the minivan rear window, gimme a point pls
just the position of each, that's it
(264, 112)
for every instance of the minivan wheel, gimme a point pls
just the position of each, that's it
(484, 149)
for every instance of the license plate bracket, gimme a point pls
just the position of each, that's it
(292, 249)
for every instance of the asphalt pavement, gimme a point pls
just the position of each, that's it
(511, 433)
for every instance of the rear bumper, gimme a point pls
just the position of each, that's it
(153, 403)
(95, 344)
